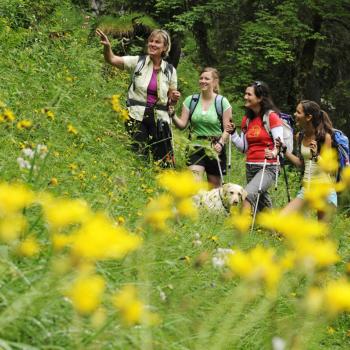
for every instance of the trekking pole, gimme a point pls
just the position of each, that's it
(277, 171)
(285, 178)
(259, 193)
(229, 158)
(220, 170)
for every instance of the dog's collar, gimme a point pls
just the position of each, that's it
(223, 203)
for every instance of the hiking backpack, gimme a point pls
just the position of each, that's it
(287, 124)
(341, 143)
(219, 107)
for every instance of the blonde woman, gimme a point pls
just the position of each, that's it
(153, 86)
(201, 113)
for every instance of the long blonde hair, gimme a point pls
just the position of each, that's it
(215, 74)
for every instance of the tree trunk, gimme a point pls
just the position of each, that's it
(305, 83)
(201, 35)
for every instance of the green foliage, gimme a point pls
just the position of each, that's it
(26, 13)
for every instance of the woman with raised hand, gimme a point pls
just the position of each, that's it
(258, 142)
(206, 113)
(315, 132)
(153, 87)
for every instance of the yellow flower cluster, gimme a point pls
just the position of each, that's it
(333, 298)
(116, 106)
(132, 309)
(306, 237)
(86, 237)
(181, 187)
(13, 199)
(257, 265)
(241, 221)
(24, 124)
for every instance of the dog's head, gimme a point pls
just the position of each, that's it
(233, 194)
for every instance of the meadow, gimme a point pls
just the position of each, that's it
(100, 250)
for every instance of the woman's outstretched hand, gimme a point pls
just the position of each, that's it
(104, 39)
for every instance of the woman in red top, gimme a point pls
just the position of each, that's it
(258, 143)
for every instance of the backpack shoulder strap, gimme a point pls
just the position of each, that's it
(168, 70)
(139, 65)
(300, 136)
(193, 104)
(266, 122)
(219, 107)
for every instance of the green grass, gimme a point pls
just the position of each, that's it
(203, 308)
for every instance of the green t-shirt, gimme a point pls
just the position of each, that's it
(206, 123)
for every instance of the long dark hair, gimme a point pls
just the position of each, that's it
(262, 91)
(320, 120)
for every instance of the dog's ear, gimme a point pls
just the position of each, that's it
(244, 194)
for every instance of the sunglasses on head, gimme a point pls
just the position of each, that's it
(257, 83)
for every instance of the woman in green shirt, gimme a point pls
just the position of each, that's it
(206, 124)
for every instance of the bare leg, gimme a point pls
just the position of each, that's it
(246, 205)
(214, 180)
(197, 171)
(293, 206)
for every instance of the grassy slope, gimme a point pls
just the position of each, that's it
(67, 76)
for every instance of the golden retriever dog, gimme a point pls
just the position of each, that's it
(220, 200)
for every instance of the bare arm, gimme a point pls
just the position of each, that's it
(110, 57)
(290, 156)
(181, 122)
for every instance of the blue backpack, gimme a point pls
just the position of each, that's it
(341, 143)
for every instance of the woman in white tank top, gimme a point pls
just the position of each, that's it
(315, 132)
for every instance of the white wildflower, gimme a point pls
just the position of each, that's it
(219, 259)
(28, 152)
(23, 164)
(278, 343)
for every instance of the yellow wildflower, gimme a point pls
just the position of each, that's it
(86, 293)
(72, 129)
(294, 226)
(240, 221)
(328, 160)
(330, 330)
(345, 175)
(129, 305)
(337, 296)
(1, 118)
(14, 197)
(62, 212)
(180, 184)
(8, 115)
(258, 264)
(317, 193)
(186, 207)
(61, 240)
(132, 309)
(99, 238)
(50, 115)
(24, 124)
(54, 181)
(158, 211)
(318, 253)
(11, 227)
(29, 247)
(124, 114)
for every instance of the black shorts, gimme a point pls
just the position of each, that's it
(198, 157)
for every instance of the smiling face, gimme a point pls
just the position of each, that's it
(300, 118)
(250, 99)
(207, 81)
(156, 45)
